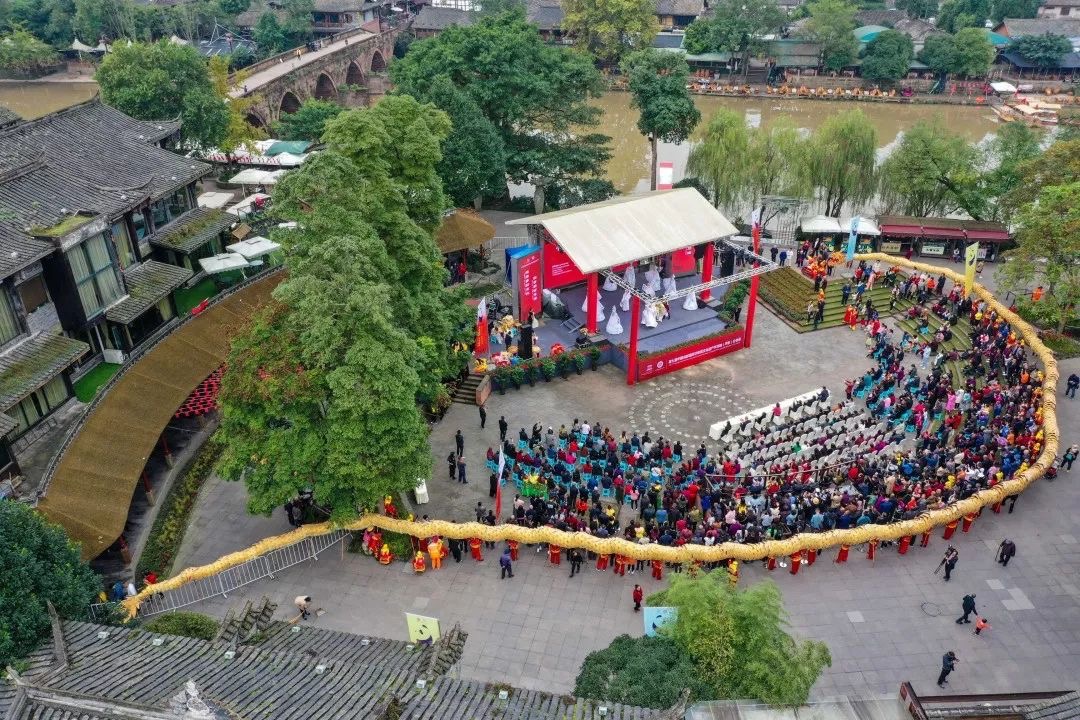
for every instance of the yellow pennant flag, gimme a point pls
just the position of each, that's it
(971, 258)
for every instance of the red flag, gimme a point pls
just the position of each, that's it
(481, 345)
(755, 230)
(498, 498)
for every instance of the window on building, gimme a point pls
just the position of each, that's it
(1066, 10)
(39, 404)
(139, 221)
(159, 211)
(10, 328)
(95, 276)
(33, 293)
(124, 252)
(179, 203)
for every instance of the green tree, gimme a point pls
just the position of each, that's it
(887, 57)
(642, 672)
(932, 172)
(49, 20)
(1048, 245)
(239, 132)
(185, 624)
(842, 154)
(1011, 148)
(667, 113)
(738, 27)
(233, 8)
(40, 564)
(269, 36)
(721, 160)
(610, 28)
(164, 81)
(474, 159)
(1059, 165)
(109, 19)
(1043, 50)
(939, 53)
(777, 162)
(738, 639)
(535, 94)
(974, 53)
(920, 9)
(20, 50)
(309, 122)
(322, 391)
(955, 15)
(1001, 9)
(832, 24)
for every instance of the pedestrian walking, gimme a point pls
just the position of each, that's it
(948, 561)
(459, 442)
(1069, 456)
(457, 547)
(451, 462)
(493, 485)
(638, 595)
(506, 565)
(575, 561)
(483, 416)
(302, 603)
(968, 607)
(948, 664)
(1006, 550)
(503, 426)
(981, 624)
(783, 257)
(461, 471)
(1071, 384)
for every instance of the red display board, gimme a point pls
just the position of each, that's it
(707, 349)
(528, 285)
(684, 260)
(559, 269)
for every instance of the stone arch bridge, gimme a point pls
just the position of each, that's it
(349, 68)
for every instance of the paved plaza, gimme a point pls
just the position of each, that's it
(884, 622)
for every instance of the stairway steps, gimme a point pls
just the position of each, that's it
(465, 392)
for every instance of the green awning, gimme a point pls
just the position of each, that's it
(295, 147)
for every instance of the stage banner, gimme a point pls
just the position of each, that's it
(683, 261)
(423, 630)
(971, 259)
(528, 284)
(559, 269)
(707, 349)
(655, 617)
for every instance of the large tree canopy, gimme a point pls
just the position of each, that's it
(1043, 50)
(163, 81)
(842, 154)
(40, 564)
(721, 160)
(931, 172)
(610, 28)
(831, 24)
(955, 15)
(888, 57)
(322, 391)
(534, 93)
(309, 122)
(738, 27)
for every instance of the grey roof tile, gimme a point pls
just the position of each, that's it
(192, 230)
(33, 362)
(146, 283)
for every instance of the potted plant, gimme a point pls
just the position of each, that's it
(563, 363)
(547, 367)
(501, 377)
(517, 376)
(594, 356)
(579, 362)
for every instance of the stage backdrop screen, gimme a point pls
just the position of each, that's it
(528, 284)
(559, 269)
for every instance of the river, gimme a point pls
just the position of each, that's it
(629, 164)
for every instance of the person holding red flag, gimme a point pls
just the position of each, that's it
(480, 347)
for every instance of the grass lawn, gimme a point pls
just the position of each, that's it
(87, 386)
(187, 298)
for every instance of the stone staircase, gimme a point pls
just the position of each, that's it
(238, 627)
(787, 291)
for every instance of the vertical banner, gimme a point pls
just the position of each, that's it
(853, 237)
(971, 259)
(755, 229)
(498, 483)
(422, 630)
(528, 284)
(481, 345)
(665, 175)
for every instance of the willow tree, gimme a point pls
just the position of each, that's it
(658, 85)
(721, 161)
(932, 172)
(841, 161)
(777, 162)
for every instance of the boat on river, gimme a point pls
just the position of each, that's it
(1033, 112)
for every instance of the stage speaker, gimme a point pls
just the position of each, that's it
(525, 346)
(727, 262)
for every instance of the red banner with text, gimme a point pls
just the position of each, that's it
(528, 285)
(559, 269)
(684, 357)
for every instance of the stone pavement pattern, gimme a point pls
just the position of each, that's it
(884, 622)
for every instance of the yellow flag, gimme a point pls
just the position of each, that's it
(971, 257)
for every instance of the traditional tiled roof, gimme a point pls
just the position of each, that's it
(692, 8)
(338, 5)
(6, 424)
(545, 14)
(192, 230)
(126, 671)
(8, 117)
(916, 29)
(440, 18)
(147, 283)
(35, 361)
(333, 645)
(1064, 26)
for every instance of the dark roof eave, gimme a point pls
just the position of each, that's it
(148, 283)
(161, 238)
(33, 363)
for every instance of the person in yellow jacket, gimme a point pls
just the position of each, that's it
(385, 556)
(418, 564)
(435, 550)
(733, 573)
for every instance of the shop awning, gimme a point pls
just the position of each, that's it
(223, 263)
(461, 230)
(821, 225)
(253, 247)
(214, 199)
(942, 228)
(252, 176)
(601, 235)
(866, 226)
(988, 235)
(147, 284)
(945, 233)
(901, 230)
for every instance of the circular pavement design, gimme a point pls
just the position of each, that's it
(684, 410)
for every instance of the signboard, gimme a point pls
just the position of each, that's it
(683, 261)
(665, 175)
(528, 284)
(891, 246)
(559, 269)
(864, 245)
(707, 349)
(422, 630)
(655, 617)
(932, 248)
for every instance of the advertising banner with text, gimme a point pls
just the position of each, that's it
(559, 269)
(684, 357)
(528, 286)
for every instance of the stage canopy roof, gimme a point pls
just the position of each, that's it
(821, 225)
(600, 235)
(866, 226)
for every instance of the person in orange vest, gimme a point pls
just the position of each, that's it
(733, 573)
(620, 565)
(851, 316)
(385, 556)
(435, 550)
(554, 554)
(418, 564)
(388, 507)
(981, 624)
(375, 541)
(601, 561)
(1037, 294)
(513, 545)
(658, 569)
(474, 547)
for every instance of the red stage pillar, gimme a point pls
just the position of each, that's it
(635, 320)
(592, 292)
(706, 270)
(750, 306)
